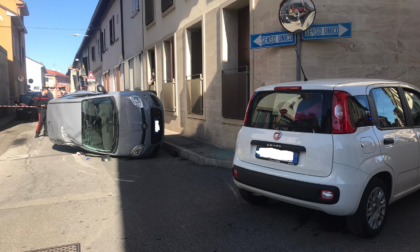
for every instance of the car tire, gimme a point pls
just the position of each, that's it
(253, 199)
(369, 219)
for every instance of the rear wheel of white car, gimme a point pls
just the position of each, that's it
(370, 217)
(253, 199)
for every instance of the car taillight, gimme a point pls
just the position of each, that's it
(341, 118)
(247, 109)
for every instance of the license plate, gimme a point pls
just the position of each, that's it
(157, 126)
(281, 156)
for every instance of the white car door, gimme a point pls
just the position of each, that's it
(398, 141)
(412, 97)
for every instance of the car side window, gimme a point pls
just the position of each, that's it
(413, 100)
(389, 107)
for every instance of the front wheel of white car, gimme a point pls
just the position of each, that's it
(370, 217)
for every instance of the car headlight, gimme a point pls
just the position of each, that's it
(136, 101)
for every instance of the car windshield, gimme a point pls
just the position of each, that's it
(99, 124)
(302, 111)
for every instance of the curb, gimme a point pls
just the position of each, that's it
(180, 152)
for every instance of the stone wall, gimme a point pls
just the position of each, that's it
(385, 43)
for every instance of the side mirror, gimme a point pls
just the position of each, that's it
(101, 89)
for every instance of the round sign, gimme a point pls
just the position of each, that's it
(297, 15)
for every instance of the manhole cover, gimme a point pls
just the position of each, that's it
(64, 248)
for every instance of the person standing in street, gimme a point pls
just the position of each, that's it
(42, 103)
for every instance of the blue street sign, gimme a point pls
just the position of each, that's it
(328, 31)
(272, 39)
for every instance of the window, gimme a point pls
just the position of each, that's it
(165, 4)
(112, 31)
(300, 111)
(150, 11)
(98, 46)
(93, 53)
(359, 111)
(102, 43)
(135, 7)
(103, 38)
(99, 124)
(413, 100)
(169, 61)
(22, 55)
(389, 107)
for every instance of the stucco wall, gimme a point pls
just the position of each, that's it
(211, 127)
(95, 65)
(112, 56)
(133, 29)
(385, 43)
(4, 82)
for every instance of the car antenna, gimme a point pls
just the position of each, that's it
(304, 75)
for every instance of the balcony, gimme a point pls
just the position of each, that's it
(195, 94)
(169, 99)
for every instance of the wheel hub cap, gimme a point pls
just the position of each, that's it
(376, 207)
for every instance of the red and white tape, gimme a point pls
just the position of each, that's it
(10, 106)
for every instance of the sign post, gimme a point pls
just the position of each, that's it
(272, 39)
(91, 77)
(328, 31)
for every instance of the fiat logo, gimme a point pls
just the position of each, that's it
(277, 135)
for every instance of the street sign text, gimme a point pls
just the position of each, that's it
(272, 39)
(328, 31)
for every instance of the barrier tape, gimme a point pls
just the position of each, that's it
(10, 106)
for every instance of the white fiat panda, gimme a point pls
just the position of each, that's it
(347, 147)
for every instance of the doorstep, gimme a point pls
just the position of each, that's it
(197, 152)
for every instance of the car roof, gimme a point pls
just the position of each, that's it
(329, 84)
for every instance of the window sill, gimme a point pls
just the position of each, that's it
(166, 12)
(197, 117)
(133, 15)
(150, 25)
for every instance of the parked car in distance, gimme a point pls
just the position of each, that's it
(26, 99)
(347, 147)
(119, 124)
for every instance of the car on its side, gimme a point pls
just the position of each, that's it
(127, 123)
(27, 99)
(347, 147)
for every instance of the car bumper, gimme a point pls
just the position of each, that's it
(346, 182)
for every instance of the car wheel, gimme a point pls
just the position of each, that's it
(253, 199)
(370, 216)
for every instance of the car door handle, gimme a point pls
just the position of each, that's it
(388, 141)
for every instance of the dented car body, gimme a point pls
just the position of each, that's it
(120, 124)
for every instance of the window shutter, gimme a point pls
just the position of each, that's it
(150, 11)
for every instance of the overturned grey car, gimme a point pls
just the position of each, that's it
(119, 124)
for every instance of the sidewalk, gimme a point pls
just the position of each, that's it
(196, 151)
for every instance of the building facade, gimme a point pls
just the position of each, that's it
(56, 81)
(205, 71)
(12, 40)
(35, 72)
(199, 51)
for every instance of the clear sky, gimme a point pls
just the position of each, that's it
(56, 49)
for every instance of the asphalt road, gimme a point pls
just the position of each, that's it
(49, 197)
